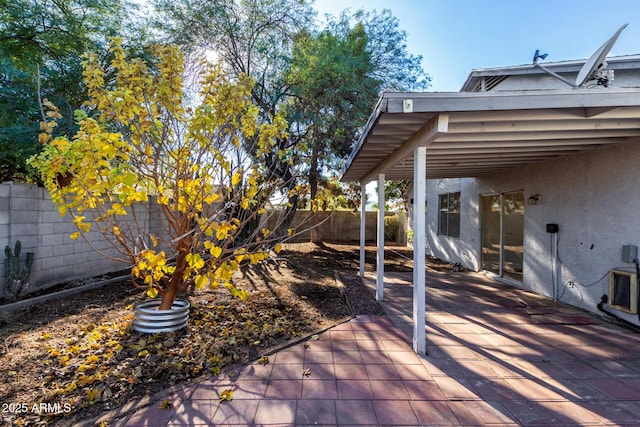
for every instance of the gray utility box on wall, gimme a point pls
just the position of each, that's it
(629, 253)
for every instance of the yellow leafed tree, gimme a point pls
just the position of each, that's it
(142, 151)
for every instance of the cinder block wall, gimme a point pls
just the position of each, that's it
(343, 226)
(27, 214)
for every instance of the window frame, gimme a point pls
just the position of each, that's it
(449, 214)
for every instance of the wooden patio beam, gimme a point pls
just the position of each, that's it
(423, 137)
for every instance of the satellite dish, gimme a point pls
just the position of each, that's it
(596, 63)
(593, 69)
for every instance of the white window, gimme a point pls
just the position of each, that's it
(449, 214)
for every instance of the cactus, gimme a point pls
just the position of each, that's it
(16, 276)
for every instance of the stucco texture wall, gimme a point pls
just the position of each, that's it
(594, 197)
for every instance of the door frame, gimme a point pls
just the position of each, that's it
(501, 258)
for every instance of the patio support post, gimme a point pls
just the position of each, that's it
(380, 241)
(419, 243)
(363, 221)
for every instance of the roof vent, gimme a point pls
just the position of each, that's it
(487, 83)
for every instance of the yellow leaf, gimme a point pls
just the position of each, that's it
(278, 248)
(118, 209)
(165, 404)
(263, 360)
(235, 179)
(195, 261)
(74, 236)
(216, 251)
(92, 394)
(152, 292)
(201, 281)
(226, 395)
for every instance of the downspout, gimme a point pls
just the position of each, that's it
(553, 229)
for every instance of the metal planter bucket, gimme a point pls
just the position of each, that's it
(149, 320)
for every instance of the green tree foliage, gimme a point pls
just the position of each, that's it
(41, 44)
(252, 37)
(392, 64)
(395, 195)
(332, 92)
(336, 76)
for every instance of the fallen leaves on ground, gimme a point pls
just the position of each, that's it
(226, 396)
(79, 361)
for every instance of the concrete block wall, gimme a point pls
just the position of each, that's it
(27, 214)
(343, 226)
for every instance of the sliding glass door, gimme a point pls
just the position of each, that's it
(503, 234)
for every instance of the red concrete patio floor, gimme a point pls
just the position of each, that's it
(497, 355)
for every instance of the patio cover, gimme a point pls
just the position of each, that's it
(468, 134)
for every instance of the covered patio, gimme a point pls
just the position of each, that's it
(504, 355)
(420, 136)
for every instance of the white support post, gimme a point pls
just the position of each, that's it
(419, 244)
(363, 222)
(380, 241)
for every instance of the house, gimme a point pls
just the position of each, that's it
(521, 176)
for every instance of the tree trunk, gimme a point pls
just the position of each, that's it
(282, 170)
(168, 297)
(313, 190)
(173, 288)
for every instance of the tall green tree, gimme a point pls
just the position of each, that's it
(332, 90)
(336, 77)
(41, 44)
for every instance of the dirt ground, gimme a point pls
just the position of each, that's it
(72, 359)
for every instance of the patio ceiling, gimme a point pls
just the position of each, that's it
(471, 134)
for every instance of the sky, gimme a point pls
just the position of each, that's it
(455, 36)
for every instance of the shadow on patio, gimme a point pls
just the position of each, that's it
(504, 355)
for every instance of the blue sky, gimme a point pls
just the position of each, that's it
(456, 36)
